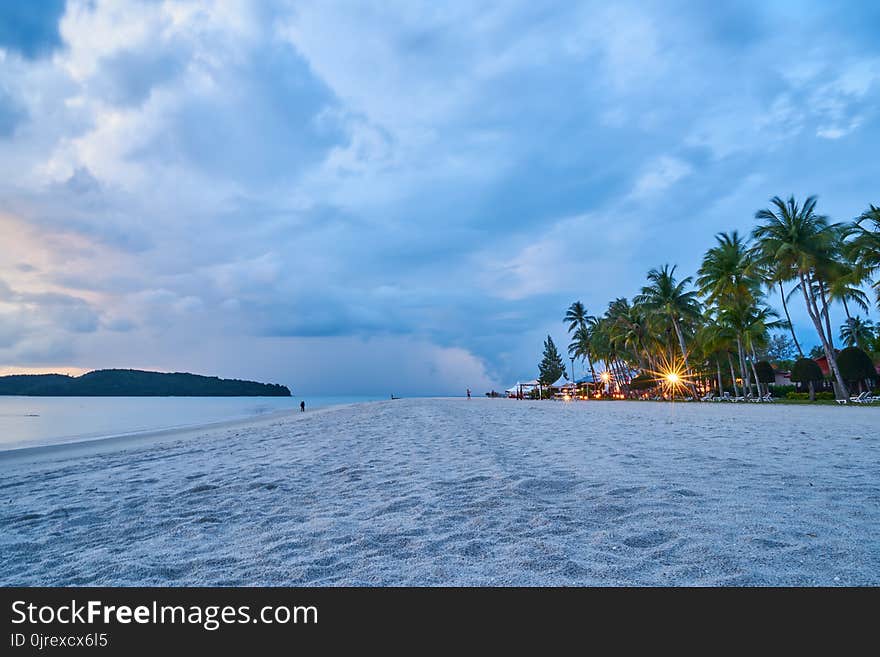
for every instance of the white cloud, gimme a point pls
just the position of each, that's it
(661, 174)
(838, 131)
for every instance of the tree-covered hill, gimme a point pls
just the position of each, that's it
(135, 383)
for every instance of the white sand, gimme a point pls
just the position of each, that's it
(492, 492)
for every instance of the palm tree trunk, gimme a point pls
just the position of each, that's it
(615, 376)
(755, 372)
(813, 312)
(732, 375)
(846, 308)
(788, 318)
(684, 357)
(624, 367)
(720, 382)
(827, 314)
(592, 371)
(619, 374)
(747, 384)
(678, 333)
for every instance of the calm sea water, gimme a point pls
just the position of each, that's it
(33, 421)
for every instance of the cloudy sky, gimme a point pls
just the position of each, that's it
(399, 196)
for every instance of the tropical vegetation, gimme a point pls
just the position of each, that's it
(135, 383)
(551, 367)
(718, 332)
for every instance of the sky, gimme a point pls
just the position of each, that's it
(397, 197)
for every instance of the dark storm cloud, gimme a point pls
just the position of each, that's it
(418, 174)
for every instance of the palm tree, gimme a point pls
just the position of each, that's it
(580, 321)
(846, 276)
(863, 246)
(601, 343)
(743, 319)
(611, 342)
(857, 332)
(801, 241)
(666, 297)
(773, 275)
(756, 333)
(581, 347)
(716, 341)
(729, 277)
(846, 289)
(632, 327)
(627, 328)
(576, 316)
(729, 271)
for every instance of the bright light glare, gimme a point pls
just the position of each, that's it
(673, 378)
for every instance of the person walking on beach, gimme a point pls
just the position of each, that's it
(302, 407)
(469, 393)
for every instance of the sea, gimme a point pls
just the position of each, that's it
(39, 421)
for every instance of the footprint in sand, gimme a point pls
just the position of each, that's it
(546, 486)
(202, 488)
(649, 539)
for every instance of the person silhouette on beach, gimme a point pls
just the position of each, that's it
(469, 393)
(302, 407)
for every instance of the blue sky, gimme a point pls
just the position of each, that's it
(401, 197)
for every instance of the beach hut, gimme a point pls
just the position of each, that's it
(561, 382)
(526, 387)
(586, 385)
(781, 378)
(562, 388)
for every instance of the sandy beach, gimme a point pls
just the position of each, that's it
(456, 492)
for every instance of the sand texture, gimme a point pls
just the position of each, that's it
(456, 492)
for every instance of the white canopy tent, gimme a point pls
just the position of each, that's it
(523, 387)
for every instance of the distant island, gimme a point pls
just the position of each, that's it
(135, 383)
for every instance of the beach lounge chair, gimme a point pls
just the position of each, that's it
(767, 398)
(709, 397)
(860, 399)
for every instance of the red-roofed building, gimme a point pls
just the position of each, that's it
(822, 362)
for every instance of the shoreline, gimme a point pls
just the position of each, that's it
(95, 445)
(102, 444)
